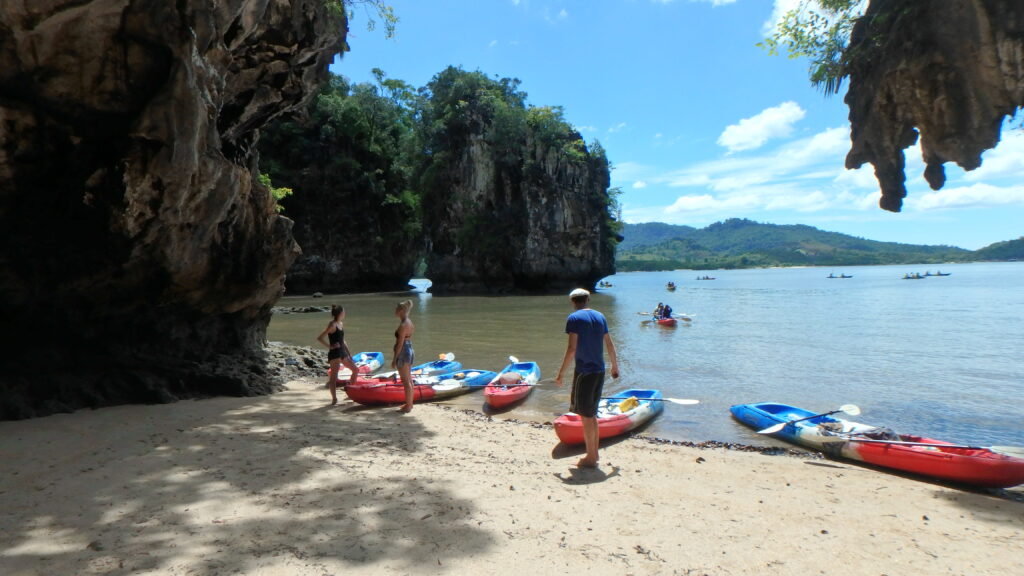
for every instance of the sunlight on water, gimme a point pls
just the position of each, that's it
(942, 356)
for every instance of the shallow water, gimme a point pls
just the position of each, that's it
(943, 356)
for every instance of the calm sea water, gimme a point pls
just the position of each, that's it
(943, 356)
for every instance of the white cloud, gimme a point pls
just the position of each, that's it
(786, 163)
(617, 127)
(658, 135)
(797, 176)
(974, 196)
(779, 9)
(752, 133)
(562, 15)
(863, 177)
(639, 184)
(626, 171)
(492, 44)
(585, 129)
(806, 176)
(1005, 161)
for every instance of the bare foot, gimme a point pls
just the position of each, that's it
(586, 463)
(334, 401)
(406, 408)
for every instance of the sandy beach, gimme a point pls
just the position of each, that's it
(286, 485)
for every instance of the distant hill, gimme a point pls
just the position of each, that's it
(741, 243)
(1008, 250)
(652, 233)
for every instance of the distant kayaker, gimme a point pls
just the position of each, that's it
(659, 310)
(403, 353)
(338, 353)
(666, 311)
(588, 331)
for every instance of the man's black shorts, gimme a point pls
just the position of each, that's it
(586, 393)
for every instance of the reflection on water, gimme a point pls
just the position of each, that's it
(941, 356)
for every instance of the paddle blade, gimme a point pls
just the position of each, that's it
(1015, 451)
(513, 359)
(682, 401)
(851, 409)
(773, 429)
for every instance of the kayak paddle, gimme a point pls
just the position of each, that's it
(850, 409)
(680, 401)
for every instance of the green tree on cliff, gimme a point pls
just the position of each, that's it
(374, 10)
(345, 159)
(820, 31)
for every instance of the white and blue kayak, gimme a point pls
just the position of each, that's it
(365, 362)
(445, 364)
(625, 411)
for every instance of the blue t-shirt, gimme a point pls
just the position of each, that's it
(590, 328)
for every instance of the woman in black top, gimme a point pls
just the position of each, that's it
(338, 352)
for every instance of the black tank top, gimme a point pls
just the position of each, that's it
(336, 337)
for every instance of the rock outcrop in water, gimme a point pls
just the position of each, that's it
(951, 70)
(513, 200)
(140, 258)
(538, 226)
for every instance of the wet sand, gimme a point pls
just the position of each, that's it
(285, 485)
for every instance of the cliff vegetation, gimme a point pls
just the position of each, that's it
(495, 195)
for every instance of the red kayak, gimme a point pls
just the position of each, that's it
(371, 391)
(625, 411)
(973, 465)
(987, 466)
(513, 384)
(666, 321)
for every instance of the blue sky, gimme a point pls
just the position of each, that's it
(699, 123)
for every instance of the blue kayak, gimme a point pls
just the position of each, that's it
(365, 362)
(372, 360)
(810, 433)
(441, 366)
(435, 368)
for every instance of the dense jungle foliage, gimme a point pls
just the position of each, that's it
(374, 161)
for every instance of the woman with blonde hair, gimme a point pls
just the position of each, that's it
(337, 353)
(403, 356)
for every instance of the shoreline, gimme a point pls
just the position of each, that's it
(284, 484)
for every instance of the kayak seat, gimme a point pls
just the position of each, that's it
(881, 433)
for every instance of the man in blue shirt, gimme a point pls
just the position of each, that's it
(588, 331)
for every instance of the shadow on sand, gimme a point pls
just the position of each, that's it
(280, 478)
(578, 476)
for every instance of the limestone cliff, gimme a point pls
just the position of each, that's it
(949, 70)
(537, 224)
(140, 256)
